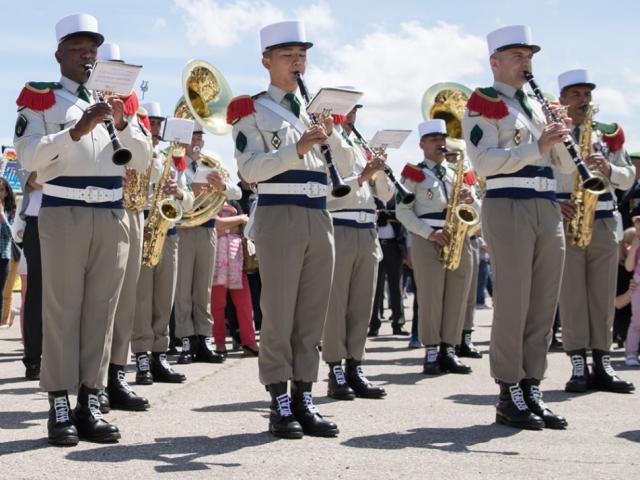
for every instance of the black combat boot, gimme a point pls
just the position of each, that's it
(449, 361)
(162, 370)
(533, 398)
(307, 413)
(579, 381)
(467, 348)
(431, 362)
(121, 396)
(359, 383)
(512, 410)
(61, 430)
(103, 399)
(605, 377)
(338, 387)
(88, 419)
(282, 423)
(143, 370)
(205, 353)
(189, 345)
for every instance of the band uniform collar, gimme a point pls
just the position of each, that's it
(431, 164)
(277, 94)
(69, 85)
(505, 89)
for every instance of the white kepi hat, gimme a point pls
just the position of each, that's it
(432, 127)
(78, 24)
(570, 78)
(512, 36)
(109, 51)
(283, 34)
(153, 109)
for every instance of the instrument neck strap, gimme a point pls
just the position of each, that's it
(283, 113)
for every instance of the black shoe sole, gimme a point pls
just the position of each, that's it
(432, 372)
(66, 441)
(371, 397)
(524, 426)
(287, 435)
(144, 382)
(166, 380)
(569, 389)
(131, 408)
(324, 433)
(612, 390)
(556, 426)
(350, 396)
(111, 438)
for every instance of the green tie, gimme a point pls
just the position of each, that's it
(439, 169)
(295, 104)
(83, 93)
(524, 102)
(576, 133)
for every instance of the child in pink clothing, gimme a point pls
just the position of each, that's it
(632, 264)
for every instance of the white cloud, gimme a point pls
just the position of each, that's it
(159, 24)
(612, 102)
(223, 24)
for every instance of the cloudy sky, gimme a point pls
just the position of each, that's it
(393, 51)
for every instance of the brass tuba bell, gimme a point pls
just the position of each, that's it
(447, 101)
(206, 95)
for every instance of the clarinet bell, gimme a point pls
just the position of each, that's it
(121, 156)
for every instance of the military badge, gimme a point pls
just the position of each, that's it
(275, 140)
(429, 194)
(517, 138)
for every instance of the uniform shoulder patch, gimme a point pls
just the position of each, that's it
(469, 178)
(413, 172)
(338, 119)
(131, 104)
(612, 135)
(239, 107)
(38, 95)
(21, 125)
(487, 102)
(241, 142)
(476, 135)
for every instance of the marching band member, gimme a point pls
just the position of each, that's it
(510, 144)
(441, 293)
(60, 133)
(357, 253)
(276, 147)
(589, 280)
(118, 394)
(157, 286)
(196, 259)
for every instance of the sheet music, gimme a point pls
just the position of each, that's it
(113, 77)
(178, 130)
(201, 174)
(336, 101)
(389, 138)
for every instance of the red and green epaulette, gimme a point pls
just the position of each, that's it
(131, 104)
(338, 119)
(413, 172)
(143, 118)
(239, 107)
(38, 95)
(612, 135)
(469, 178)
(487, 102)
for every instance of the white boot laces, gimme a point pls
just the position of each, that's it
(578, 365)
(123, 383)
(94, 406)
(143, 363)
(307, 398)
(284, 405)
(339, 374)
(61, 408)
(517, 397)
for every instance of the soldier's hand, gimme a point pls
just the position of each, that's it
(561, 113)
(216, 180)
(552, 134)
(327, 122)
(117, 105)
(465, 196)
(441, 237)
(171, 188)
(372, 167)
(92, 116)
(599, 163)
(568, 210)
(312, 136)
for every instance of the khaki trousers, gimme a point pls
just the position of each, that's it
(295, 251)
(84, 256)
(156, 291)
(474, 246)
(442, 294)
(125, 313)
(196, 259)
(526, 245)
(589, 290)
(354, 282)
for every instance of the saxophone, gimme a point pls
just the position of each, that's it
(163, 212)
(135, 189)
(580, 227)
(460, 217)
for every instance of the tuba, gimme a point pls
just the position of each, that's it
(206, 95)
(580, 227)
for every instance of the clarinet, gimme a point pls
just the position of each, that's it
(589, 180)
(340, 189)
(405, 195)
(121, 154)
